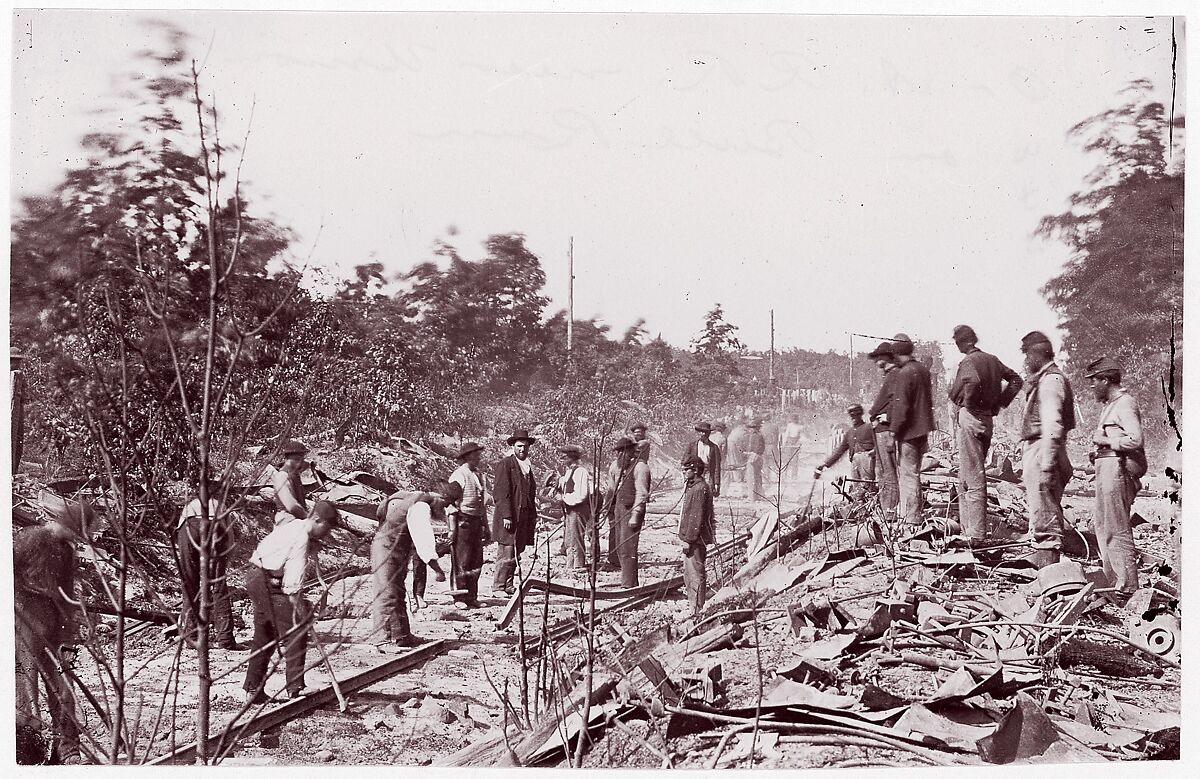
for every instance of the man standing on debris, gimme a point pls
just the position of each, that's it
(391, 550)
(721, 437)
(282, 616)
(289, 492)
(222, 540)
(515, 518)
(697, 529)
(911, 422)
(709, 453)
(1049, 416)
(859, 443)
(467, 501)
(753, 448)
(44, 563)
(1120, 463)
(574, 491)
(625, 508)
(637, 431)
(977, 396)
(885, 441)
(793, 440)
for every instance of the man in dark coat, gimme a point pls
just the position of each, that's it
(709, 453)
(885, 442)
(754, 447)
(697, 528)
(515, 518)
(859, 443)
(912, 421)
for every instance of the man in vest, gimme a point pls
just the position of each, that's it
(289, 493)
(754, 448)
(574, 491)
(515, 518)
(466, 514)
(628, 495)
(708, 453)
(859, 443)
(911, 422)
(697, 528)
(1049, 416)
(391, 550)
(982, 387)
(1120, 463)
(793, 440)
(885, 441)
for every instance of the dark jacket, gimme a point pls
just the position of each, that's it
(696, 521)
(883, 399)
(977, 387)
(912, 402)
(712, 471)
(860, 438)
(514, 493)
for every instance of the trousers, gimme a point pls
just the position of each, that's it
(888, 474)
(911, 500)
(974, 437)
(389, 568)
(468, 556)
(37, 658)
(695, 575)
(623, 544)
(187, 543)
(578, 527)
(862, 466)
(1043, 496)
(1115, 491)
(276, 626)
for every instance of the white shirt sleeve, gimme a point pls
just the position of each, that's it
(582, 487)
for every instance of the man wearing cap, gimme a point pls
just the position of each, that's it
(708, 453)
(515, 518)
(44, 563)
(982, 387)
(637, 431)
(574, 491)
(1049, 416)
(289, 492)
(391, 550)
(885, 441)
(1120, 461)
(222, 540)
(466, 513)
(697, 529)
(859, 443)
(911, 422)
(625, 508)
(754, 448)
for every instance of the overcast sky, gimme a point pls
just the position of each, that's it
(865, 174)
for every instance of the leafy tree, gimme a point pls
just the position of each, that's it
(1121, 292)
(718, 336)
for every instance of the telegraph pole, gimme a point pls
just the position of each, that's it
(570, 297)
(771, 364)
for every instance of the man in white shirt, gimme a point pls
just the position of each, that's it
(281, 614)
(391, 550)
(709, 453)
(467, 500)
(289, 492)
(222, 539)
(574, 491)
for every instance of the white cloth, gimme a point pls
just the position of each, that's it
(581, 487)
(704, 451)
(285, 549)
(526, 465)
(192, 509)
(475, 497)
(419, 519)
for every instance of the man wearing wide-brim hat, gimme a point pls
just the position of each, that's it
(1120, 461)
(466, 514)
(574, 491)
(911, 423)
(625, 508)
(708, 453)
(515, 518)
(753, 447)
(886, 469)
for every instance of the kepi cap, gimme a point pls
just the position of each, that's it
(1103, 365)
(1033, 337)
(574, 450)
(902, 344)
(855, 409)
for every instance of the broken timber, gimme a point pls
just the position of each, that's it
(294, 708)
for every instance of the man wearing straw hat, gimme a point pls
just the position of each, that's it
(466, 513)
(625, 507)
(44, 562)
(514, 520)
(574, 490)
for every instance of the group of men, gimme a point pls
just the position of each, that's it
(888, 450)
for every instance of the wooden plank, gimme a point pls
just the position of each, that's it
(294, 708)
(654, 588)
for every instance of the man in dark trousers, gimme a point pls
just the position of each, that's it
(44, 563)
(391, 550)
(697, 529)
(281, 613)
(1046, 468)
(885, 441)
(754, 448)
(911, 422)
(222, 540)
(709, 453)
(466, 513)
(625, 507)
(982, 387)
(859, 443)
(514, 520)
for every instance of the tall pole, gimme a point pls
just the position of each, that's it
(570, 297)
(771, 364)
(851, 366)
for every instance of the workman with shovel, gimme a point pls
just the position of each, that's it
(399, 516)
(467, 500)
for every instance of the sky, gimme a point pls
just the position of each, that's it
(857, 174)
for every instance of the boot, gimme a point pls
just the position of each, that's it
(1044, 557)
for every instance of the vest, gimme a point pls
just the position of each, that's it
(472, 497)
(626, 491)
(1031, 427)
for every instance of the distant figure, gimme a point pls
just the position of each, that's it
(574, 490)
(222, 540)
(911, 423)
(637, 431)
(289, 492)
(735, 459)
(753, 446)
(885, 441)
(514, 521)
(697, 529)
(859, 443)
(625, 507)
(773, 439)
(1049, 416)
(708, 453)
(467, 498)
(793, 441)
(721, 440)
(1120, 463)
(982, 387)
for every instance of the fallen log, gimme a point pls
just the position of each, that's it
(653, 589)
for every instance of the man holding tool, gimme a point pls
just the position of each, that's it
(467, 500)
(859, 443)
(404, 528)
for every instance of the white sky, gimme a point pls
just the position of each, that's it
(866, 174)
